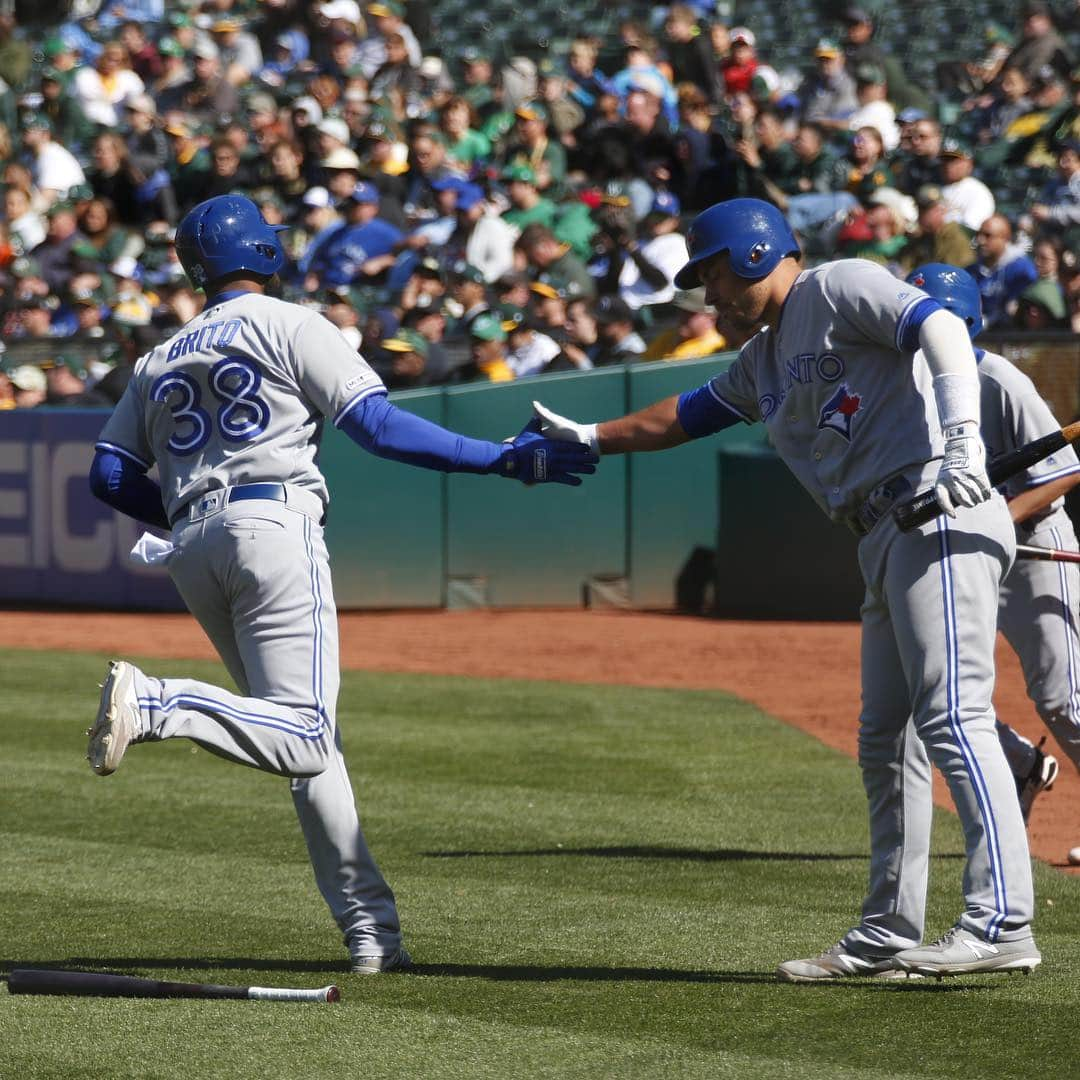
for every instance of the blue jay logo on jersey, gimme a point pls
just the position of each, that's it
(839, 411)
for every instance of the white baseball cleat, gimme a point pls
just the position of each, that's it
(838, 963)
(960, 952)
(118, 719)
(398, 960)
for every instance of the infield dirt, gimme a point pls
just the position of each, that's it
(807, 674)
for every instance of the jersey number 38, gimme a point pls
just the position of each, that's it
(241, 414)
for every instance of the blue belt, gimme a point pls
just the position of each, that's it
(878, 503)
(272, 492)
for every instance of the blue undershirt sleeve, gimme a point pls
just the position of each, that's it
(907, 335)
(120, 483)
(702, 413)
(383, 429)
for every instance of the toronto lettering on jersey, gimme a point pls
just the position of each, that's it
(803, 369)
(215, 335)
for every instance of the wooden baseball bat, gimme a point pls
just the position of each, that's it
(1031, 551)
(925, 507)
(94, 984)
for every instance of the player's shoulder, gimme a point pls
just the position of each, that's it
(850, 279)
(996, 369)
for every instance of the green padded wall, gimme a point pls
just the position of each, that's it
(672, 502)
(385, 525)
(536, 546)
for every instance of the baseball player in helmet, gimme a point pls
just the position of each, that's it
(230, 409)
(869, 391)
(1037, 612)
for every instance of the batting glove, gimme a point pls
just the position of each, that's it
(962, 479)
(534, 459)
(555, 426)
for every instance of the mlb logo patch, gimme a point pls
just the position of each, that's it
(839, 411)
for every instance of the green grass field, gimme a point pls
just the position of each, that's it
(594, 881)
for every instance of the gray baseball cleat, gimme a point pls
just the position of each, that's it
(118, 719)
(838, 963)
(1041, 778)
(960, 952)
(398, 960)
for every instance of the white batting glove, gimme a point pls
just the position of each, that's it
(962, 479)
(554, 426)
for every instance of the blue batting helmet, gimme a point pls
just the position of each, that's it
(224, 235)
(954, 289)
(754, 233)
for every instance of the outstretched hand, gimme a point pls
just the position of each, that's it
(534, 459)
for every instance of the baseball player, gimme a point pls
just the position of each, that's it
(1038, 607)
(863, 423)
(231, 410)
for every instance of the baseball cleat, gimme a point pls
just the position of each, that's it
(960, 952)
(1041, 778)
(117, 724)
(399, 960)
(837, 963)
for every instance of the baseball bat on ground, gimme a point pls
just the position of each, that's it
(925, 507)
(1031, 551)
(93, 984)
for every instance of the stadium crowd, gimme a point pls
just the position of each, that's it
(469, 217)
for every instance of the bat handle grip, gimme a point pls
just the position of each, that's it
(918, 511)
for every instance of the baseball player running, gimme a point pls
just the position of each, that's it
(864, 423)
(231, 410)
(1038, 607)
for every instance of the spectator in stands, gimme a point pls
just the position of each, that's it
(385, 19)
(528, 351)
(1040, 43)
(459, 122)
(885, 240)
(71, 127)
(487, 352)
(1041, 306)
(863, 170)
(565, 115)
(30, 386)
(738, 66)
(617, 340)
(548, 307)
(937, 238)
(208, 95)
(105, 86)
(689, 52)
(1058, 207)
(554, 262)
(694, 335)
(581, 342)
(647, 273)
(874, 109)
(55, 169)
(427, 162)
(921, 166)
(772, 167)
(174, 69)
(526, 203)
(828, 96)
(532, 146)
(15, 54)
(1001, 269)
(103, 239)
(240, 52)
(142, 53)
(967, 199)
(26, 226)
(408, 351)
(860, 49)
(478, 78)
(53, 254)
(1004, 106)
(397, 83)
(481, 237)
(468, 287)
(429, 321)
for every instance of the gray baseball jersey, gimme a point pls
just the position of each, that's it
(850, 408)
(1039, 600)
(845, 408)
(238, 398)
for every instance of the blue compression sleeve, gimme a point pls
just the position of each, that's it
(119, 482)
(389, 432)
(907, 333)
(701, 412)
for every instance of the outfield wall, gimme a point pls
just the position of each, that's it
(400, 536)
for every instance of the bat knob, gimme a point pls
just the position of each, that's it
(333, 993)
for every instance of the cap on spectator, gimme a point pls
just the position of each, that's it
(127, 267)
(406, 340)
(365, 192)
(61, 206)
(897, 201)
(386, 8)
(1047, 295)
(545, 290)
(262, 103)
(178, 129)
(450, 182)
(473, 55)
(341, 157)
(693, 301)
(743, 35)
(1072, 145)
(856, 15)
(51, 74)
(646, 82)
(179, 19)
(309, 107)
(487, 326)
(24, 266)
(335, 127)
(954, 146)
(87, 298)
(317, 197)
(664, 202)
(465, 271)
(347, 10)
(928, 195)
(469, 195)
(37, 122)
(531, 110)
(28, 377)
(827, 49)
(205, 50)
(429, 266)
(141, 103)
(612, 309)
(870, 75)
(521, 172)
(72, 361)
(169, 46)
(80, 193)
(765, 82)
(55, 46)
(996, 34)
(379, 131)
(911, 115)
(226, 25)
(512, 318)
